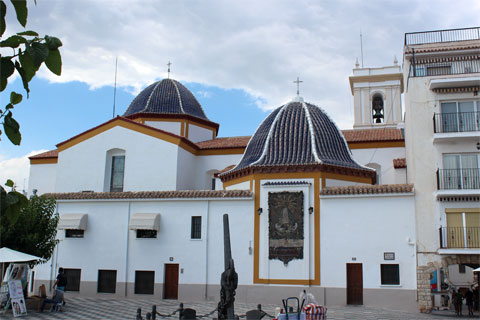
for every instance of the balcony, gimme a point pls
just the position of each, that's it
(444, 66)
(459, 237)
(442, 36)
(456, 122)
(458, 179)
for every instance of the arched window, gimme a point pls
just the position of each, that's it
(114, 170)
(377, 109)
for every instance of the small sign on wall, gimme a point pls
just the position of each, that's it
(389, 256)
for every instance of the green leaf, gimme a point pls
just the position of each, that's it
(3, 13)
(9, 183)
(27, 65)
(6, 67)
(39, 52)
(3, 84)
(9, 106)
(21, 10)
(12, 129)
(54, 62)
(15, 98)
(53, 42)
(13, 41)
(28, 33)
(24, 77)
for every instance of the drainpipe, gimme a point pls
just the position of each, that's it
(206, 248)
(126, 251)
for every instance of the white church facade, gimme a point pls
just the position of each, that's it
(141, 199)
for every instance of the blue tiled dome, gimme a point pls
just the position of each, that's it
(297, 133)
(166, 97)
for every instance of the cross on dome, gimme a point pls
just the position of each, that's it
(169, 64)
(298, 81)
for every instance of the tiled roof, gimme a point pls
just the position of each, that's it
(367, 189)
(48, 154)
(400, 163)
(224, 143)
(351, 136)
(166, 96)
(439, 49)
(373, 135)
(183, 194)
(230, 167)
(297, 133)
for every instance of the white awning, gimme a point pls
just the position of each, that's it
(145, 221)
(73, 221)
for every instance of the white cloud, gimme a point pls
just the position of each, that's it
(257, 46)
(17, 170)
(203, 94)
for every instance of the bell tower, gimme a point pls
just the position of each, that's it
(377, 96)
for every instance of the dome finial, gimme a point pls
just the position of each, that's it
(298, 81)
(169, 64)
(357, 65)
(395, 61)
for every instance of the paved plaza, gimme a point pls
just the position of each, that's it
(96, 309)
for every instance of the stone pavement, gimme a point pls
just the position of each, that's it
(99, 309)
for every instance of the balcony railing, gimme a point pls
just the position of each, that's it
(429, 69)
(459, 237)
(456, 122)
(439, 36)
(459, 179)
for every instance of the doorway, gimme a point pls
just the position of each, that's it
(170, 285)
(354, 283)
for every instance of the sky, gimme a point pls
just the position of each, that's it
(239, 58)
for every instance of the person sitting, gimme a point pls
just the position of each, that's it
(56, 299)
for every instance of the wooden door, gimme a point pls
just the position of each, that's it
(354, 283)
(170, 285)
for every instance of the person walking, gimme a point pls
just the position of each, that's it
(469, 301)
(458, 303)
(61, 282)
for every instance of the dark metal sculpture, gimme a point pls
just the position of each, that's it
(229, 280)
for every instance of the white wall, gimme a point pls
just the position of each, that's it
(150, 163)
(364, 227)
(384, 157)
(170, 126)
(108, 244)
(42, 177)
(196, 133)
(213, 163)
(186, 172)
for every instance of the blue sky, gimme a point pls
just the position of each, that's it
(238, 57)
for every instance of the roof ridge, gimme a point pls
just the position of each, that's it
(178, 94)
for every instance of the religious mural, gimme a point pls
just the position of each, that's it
(285, 228)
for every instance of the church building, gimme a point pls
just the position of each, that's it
(141, 199)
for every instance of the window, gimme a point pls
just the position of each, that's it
(144, 281)
(146, 234)
(377, 109)
(213, 183)
(107, 281)
(118, 168)
(440, 70)
(74, 233)
(461, 268)
(73, 279)
(460, 116)
(196, 231)
(460, 171)
(390, 274)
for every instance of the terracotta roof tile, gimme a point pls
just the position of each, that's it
(48, 154)
(373, 135)
(227, 142)
(400, 163)
(367, 189)
(352, 136)
(182, 194)
(230, 167)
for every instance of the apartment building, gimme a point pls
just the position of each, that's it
(442, 137)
